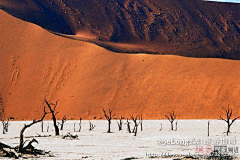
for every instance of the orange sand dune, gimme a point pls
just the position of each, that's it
(85, 78)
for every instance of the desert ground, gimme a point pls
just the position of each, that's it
(120, 145)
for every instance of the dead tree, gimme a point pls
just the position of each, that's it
(141, 122)
(136, 123)
(208, 128)
(70, 136)
(64, 119)
(48, 127)
(128, 126)
(2, 115)
(22, 149)
(80, 125)
(52, 110)
(6, 124)
(120, 123)
(228, 119)
(172, 116)
(42, 126)
(91, 126)
(176, 125)
(74, 129)
(161, 127)
(109, 118)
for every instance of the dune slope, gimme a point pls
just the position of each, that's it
(192, 28)
(85, 78)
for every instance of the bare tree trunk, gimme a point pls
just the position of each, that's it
(161, 127)
(55, 126)
(135, 134)
(128, 126)
(172, 126)
(141, 122)
(228, 130)
(48, 127)
(208, 128)
(42, 126)
(80, 125)
(64, 119)
(74, 127)
(109, 126)
(3, 127)
(176, 126)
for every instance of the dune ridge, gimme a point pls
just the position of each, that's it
(187, 28)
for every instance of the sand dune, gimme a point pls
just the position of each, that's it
(188, 28)
(85, 78)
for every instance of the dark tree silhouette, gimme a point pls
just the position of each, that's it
(21, 144)
(64, 119)
(128, 126)
(120, 123)
(136, 123)
(228, 119)
(91, 126)
(109, 118)
(172, 116)
(52, 110)
(48, 127)
(42, 126)
(2, 115)
(5, 124)
(161, 127)
(80, 125)
(176, 124)
(208, 128)
(141, 122)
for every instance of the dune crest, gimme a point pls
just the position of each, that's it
(192, 28)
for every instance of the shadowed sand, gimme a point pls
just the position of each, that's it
(85, 78)
(187, 28)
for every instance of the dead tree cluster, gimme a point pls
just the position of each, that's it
(228, 119)
(109, 118)
(136, 122)
(22, 148)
